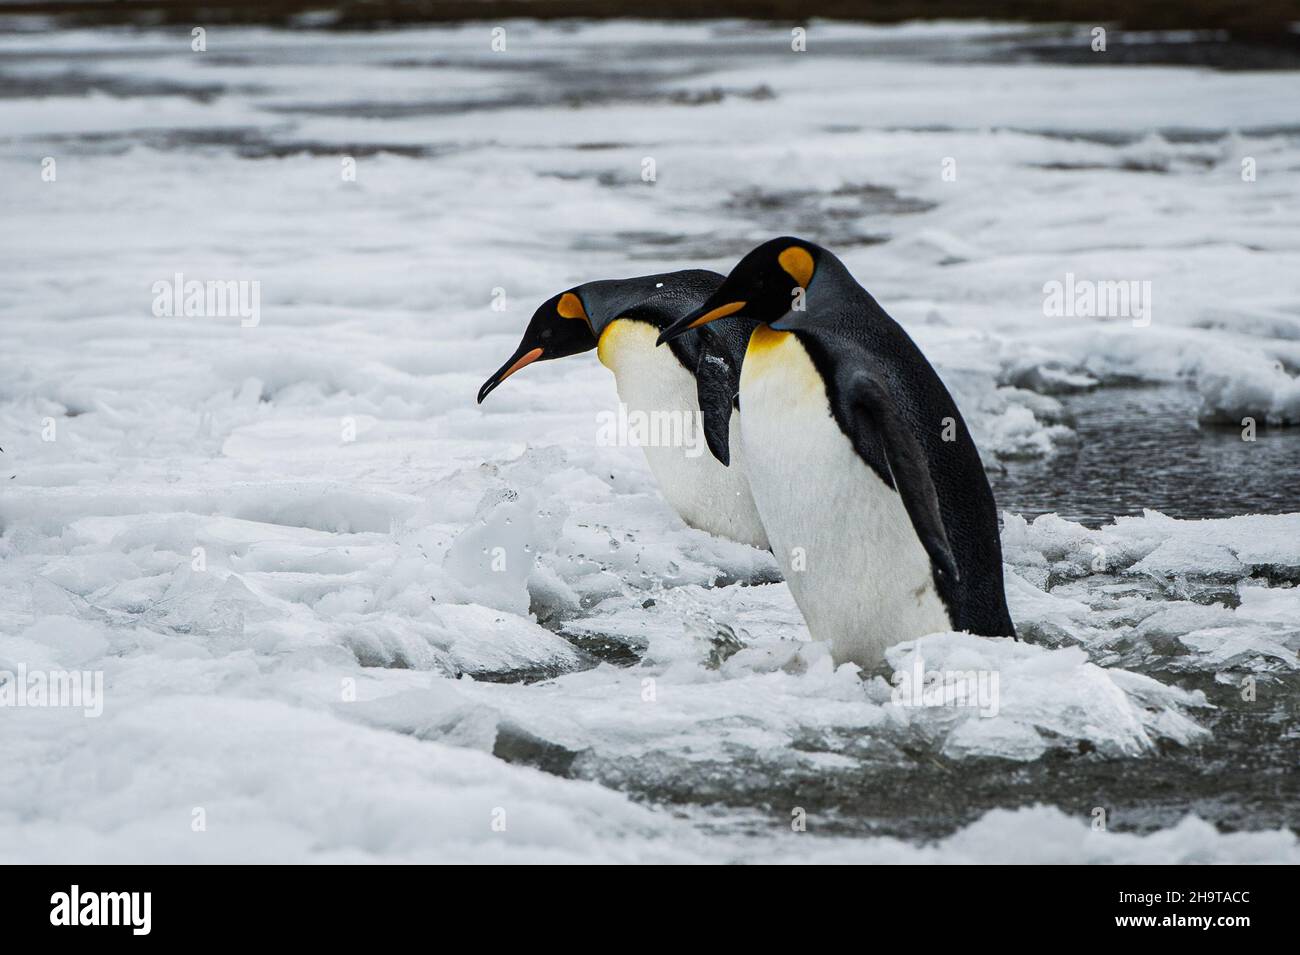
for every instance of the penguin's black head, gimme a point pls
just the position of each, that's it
(559, 328)
(764, 285)
(572, 321)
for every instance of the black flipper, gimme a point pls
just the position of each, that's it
(908, 467)
(717, 381)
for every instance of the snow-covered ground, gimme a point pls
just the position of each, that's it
(277, 540)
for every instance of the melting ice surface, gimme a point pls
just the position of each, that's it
(351, 616)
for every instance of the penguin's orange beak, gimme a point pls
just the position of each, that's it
(519, 360)
(701, 316)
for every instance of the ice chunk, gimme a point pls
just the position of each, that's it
(1255, 390)
(494, 558)
(485, 642)
(1180, 557)
(1016, 701)
(1202, 612)
(56, 642)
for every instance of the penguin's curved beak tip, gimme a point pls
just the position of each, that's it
(520, 359)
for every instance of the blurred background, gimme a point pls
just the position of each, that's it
(1267, 21)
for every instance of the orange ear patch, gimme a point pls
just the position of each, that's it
(797, 261)
(570, 306)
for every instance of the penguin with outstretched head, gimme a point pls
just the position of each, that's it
(622, 318)
(864, 473)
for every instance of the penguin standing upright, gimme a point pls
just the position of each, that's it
(864, 473)
(621, 319)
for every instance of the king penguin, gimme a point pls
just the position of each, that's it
(864, 473)
(621, 319)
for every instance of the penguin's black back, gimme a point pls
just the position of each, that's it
(844, 322)
(659, 299)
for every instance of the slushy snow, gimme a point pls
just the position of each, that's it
(343, 614)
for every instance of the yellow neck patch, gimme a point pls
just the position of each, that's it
(764, 341)
(777, 358)
(798, 262)
(612, 336)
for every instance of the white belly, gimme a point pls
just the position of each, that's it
(842, 537)
(705, 494)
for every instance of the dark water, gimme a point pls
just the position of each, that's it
(1141, 448)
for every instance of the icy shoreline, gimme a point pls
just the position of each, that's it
(271, 540)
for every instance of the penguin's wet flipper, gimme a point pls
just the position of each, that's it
(908, 467)
(716, 383)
